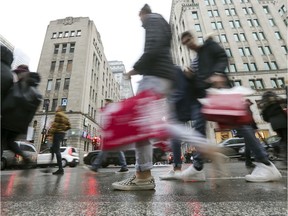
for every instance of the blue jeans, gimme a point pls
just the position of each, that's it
(103, 154)
(253, 143)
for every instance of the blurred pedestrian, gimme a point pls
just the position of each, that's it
(97, 163)
(212, 62)
(58, 130)
(272, 110)
(158, 72)
(17, 111)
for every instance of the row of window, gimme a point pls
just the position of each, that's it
(66, 34)
(64, 48)
(253, 67)
(57, 84)
(64, 102)
(259, 84)
(61, 66)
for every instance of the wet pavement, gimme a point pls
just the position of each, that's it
(81, 192)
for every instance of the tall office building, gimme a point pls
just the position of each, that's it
(254, 35)
(118, 69)
(76, 75)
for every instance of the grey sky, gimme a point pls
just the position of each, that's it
(24, 23)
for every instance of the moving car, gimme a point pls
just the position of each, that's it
(10, 159)
(70, 157)
(232, 146)
(112, 157)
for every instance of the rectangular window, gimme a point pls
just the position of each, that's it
(284, 49)
(261, 36)
(57, 84)
(216, 13)
(72, 47)
(256, 23)
(53, 65)
(195, 15)
(72, 34)
(54, 35)
(219, 25)
(251, 11)
(266, 10)
(241, 51)
(236, 37)
(245, 11)
(253, 67)
(49, 85)
(228, 52)
(66, 34)
(267, 50)
(274, 65)
(242, 37)
(259, 84)
(271, 21)
(69, 66)
(252, 84)
(250, 23)
(231, 24)
(210, 13)
(237, 24)
(261, 50)
(64, 48)
(214, 25)
(227, 12)
(78, 33)
(232, 68)
(61, 64)
(46, 103)
(247, 51)
(246, 67)
(60, 35)
(278, 35)
(233, 12)
(277, 82)
(56, 48)
(197, 28)
(54, 104)
(223, 38)
(267, 66)
(255, 36)
(237, 83)
(66, 84)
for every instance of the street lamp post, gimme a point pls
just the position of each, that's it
(44, 131)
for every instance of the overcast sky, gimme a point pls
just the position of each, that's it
(24, 24)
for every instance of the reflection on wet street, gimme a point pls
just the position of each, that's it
(82, 192)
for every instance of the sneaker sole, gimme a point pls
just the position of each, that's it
(133, 188)
(251, 179)
(121, 172)
(168, 178)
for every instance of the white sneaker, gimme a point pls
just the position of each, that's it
(191, 174)
(171, 175)
(264, 173)
(132, 184)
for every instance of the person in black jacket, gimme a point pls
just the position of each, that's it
(212, 62)
(272, 112)
(17, 113)
(6, 74)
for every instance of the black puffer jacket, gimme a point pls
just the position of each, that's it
(6, 74)
(212, 58)
(18, 107)
(156, 59)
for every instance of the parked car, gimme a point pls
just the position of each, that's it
(232, 146)
(170, 158)
(271, 145)
(70, 157)
(10, 159)
(112, 157)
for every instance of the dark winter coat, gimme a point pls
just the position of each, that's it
(273, 113)
(212, 58)
(6, 74)
(17, 111)
(156, 59)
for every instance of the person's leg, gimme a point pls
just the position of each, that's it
(57, 138)
(122, 160)
(97, 163)
(265, 170)
(248, 160)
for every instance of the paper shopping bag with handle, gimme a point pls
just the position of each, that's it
(135, 119)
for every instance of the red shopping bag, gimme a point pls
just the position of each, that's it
(135, 119)
(228, 110)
